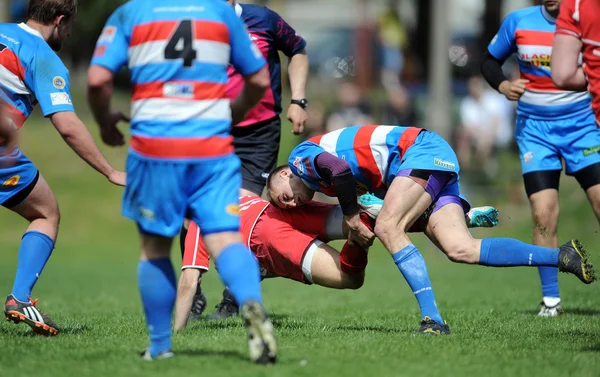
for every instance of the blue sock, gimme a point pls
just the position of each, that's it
(412, 265)
(156, 281)
(549, 278)
(240, 273)
(508, 252)
(36, 248)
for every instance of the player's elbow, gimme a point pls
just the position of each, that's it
(560, 78)
(259, 80)
(99, 77)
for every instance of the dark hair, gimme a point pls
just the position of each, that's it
(273, 173)
(46, 11)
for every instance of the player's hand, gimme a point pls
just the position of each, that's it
(117, 177)
(298, 116)
(513, 90)
(358, 232)
(109, 132)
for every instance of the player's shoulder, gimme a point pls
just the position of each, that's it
(257, 13)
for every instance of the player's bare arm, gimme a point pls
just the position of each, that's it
(100, 88)
(566, 72)
(77, 136)
(298, 72)
(255, 86)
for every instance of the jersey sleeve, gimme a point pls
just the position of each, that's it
(246, 58)
(302, 163)
(285, 37)
(503, 44)
(112, 45)
(566, 23)
(49, 81)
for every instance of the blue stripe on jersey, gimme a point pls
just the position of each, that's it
(16, 100)
(345, 150)
(528, 69)
(553, 112)
(182, 129)
(206, 72)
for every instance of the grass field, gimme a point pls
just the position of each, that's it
(89, 288)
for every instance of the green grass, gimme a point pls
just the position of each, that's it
(89, 287)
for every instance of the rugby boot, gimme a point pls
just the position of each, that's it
(482, 217)
(431, 327)
(370, 204)
(17, 311)
(226, 308)
(145, 355)
(198, 305)
(261, 337)
(550, 311)
(573, 258)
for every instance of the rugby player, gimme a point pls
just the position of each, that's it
(552, 125)
(256, 138)
(32, 73)
(291, 244)
(181, 159)
(416, 172)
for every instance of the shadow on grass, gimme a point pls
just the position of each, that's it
(586, 312)
(25, 331)
(594, 348)
(212, 353)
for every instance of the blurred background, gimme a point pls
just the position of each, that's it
(400, 62)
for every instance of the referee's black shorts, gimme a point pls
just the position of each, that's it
(257, 146)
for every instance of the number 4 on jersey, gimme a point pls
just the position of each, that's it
(181, 44)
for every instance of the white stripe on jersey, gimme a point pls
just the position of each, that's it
(538, 98)
(12, 82)
(379, 148)
(177, 110)
(154, 52)
(329, 141)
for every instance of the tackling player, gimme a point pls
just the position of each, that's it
(256, 138)
(290, 244)
(31, 73)
(417, 173)
(181, 159)
(552, 125)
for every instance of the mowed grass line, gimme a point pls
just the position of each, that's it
(89, 287)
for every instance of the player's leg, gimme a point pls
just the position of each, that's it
(589, 179)
(541, 167)
(31, 198)
(405, 201)
(323, 266)
(214, 206)
(186, 291)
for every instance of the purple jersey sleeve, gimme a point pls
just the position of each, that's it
(112, 46)
(50, 82)
(246, 58)
(286, 39)
(302, 163)
(503, 44)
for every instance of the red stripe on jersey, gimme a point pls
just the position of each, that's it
(543, 83)
(536, 38)
(364, 156)
(163, 30)
(11, 62)
(184, 90)
(407, 139)
(182, 148)
(15, 115)
(316, 139)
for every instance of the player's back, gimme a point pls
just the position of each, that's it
(21, 49)
(534, 33)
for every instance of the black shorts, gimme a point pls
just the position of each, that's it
(257, 146)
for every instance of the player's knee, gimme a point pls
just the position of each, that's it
(461, 252)
(387, 229)
(188, 280)
(354, 281)
(545, 217)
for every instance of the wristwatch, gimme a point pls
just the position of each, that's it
(300, 102)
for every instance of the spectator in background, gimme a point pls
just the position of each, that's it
(17, 10)
(399, 109)
(393, 38)
(485, 124)
(315, 124)
(351, 109)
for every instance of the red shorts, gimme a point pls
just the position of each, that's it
(279, 240)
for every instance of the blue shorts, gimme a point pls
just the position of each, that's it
(160, 193)
(542, 143)
(16, 174)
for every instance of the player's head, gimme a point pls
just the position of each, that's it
(287, 190)
(57, 16)
(552, 6)
(231, 2)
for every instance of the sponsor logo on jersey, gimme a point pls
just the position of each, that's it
(591, 151)
(12, 181)
(147, 213)
(108, 34)
(537, 60)
(58, 82)
(528, 157)
(233, 209)
(60, 98)
(298, 164)
(100, 51)
(180, 90)
(444, 164)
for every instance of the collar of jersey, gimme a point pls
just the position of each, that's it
(28, 29)
(238, 9)
(547, 15)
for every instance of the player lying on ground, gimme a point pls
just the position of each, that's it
(552, 125)
(290, 244)
(33, 73)
(416, 172)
